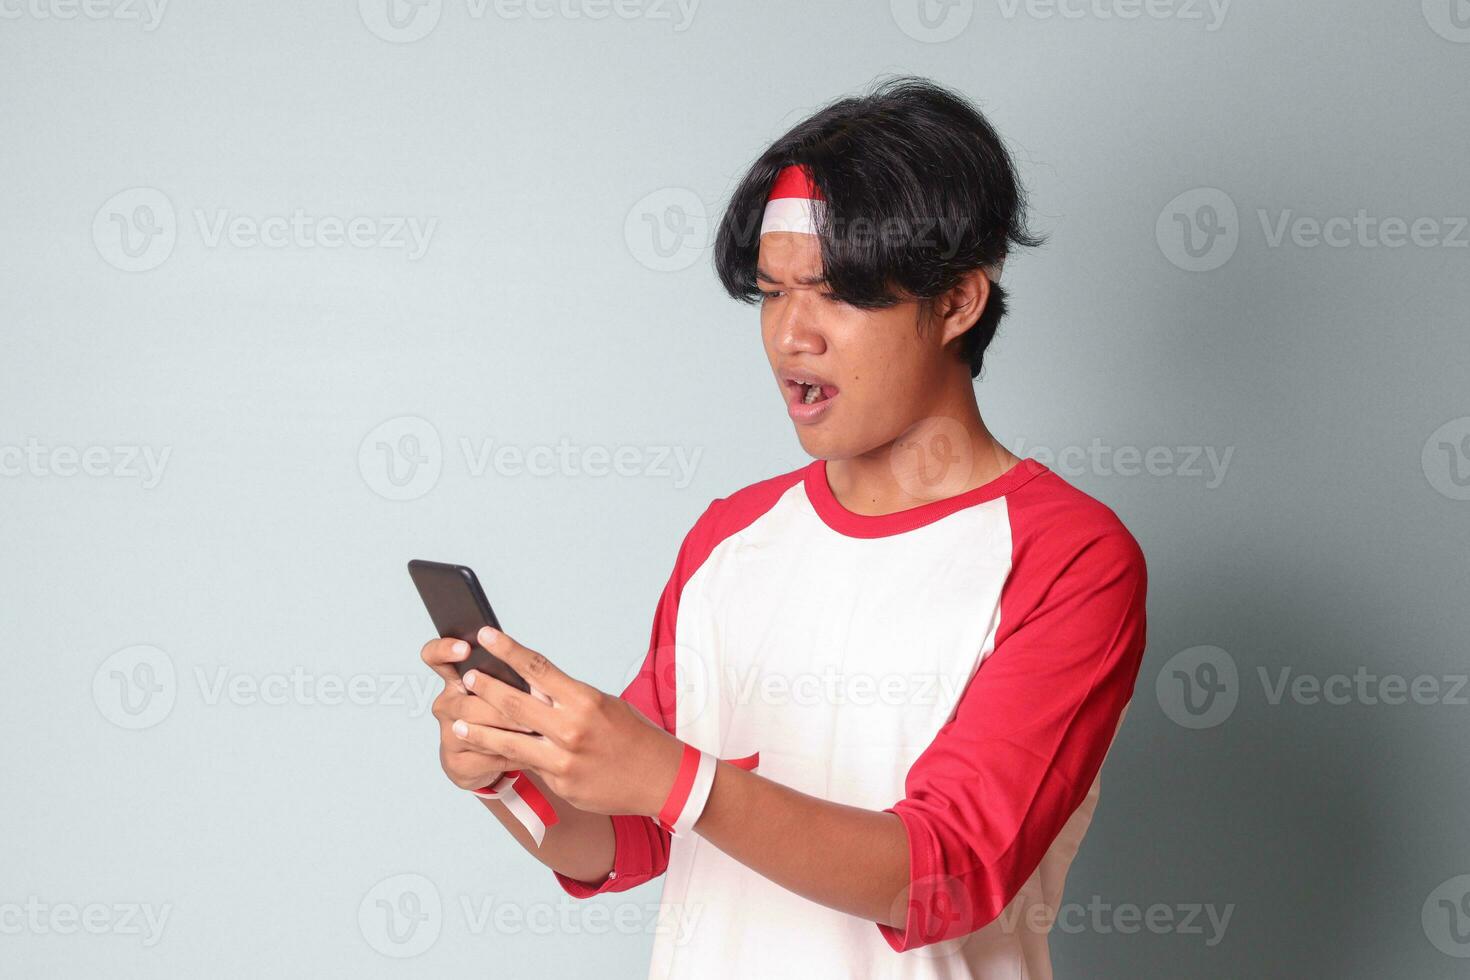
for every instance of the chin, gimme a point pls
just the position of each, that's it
(828, 445)
(815, 445)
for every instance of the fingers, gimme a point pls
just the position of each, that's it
(539, 672)
(520, 711)
(452, 705)
(524, 751)
(442, 654)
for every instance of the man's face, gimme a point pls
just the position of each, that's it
(878, 371)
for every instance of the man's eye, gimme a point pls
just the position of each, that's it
(831, 297)
(769, 294)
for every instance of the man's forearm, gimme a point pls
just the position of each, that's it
(579, 845)
(846, 858)
(604, 752)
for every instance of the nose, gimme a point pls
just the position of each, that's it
(795, 330)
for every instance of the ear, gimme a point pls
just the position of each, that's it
(958, 309)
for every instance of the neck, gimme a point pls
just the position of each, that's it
(944, 452)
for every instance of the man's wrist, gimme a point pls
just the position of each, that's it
(665, 772)
(690, 793)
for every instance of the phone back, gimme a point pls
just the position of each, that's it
(458, 608)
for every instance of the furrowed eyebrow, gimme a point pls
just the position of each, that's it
(765, 276)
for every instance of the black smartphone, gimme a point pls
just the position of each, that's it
(458, 607)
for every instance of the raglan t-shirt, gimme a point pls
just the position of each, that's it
(965, 664)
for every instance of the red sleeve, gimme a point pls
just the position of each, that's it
(641, 849)
(988, 797)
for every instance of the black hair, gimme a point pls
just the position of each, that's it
(920, 190)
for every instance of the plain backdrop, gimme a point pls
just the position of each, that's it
(293, 293)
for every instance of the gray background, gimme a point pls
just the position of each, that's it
(273, 828)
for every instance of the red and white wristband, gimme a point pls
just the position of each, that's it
(680, 812)
(524, 801)
(692, 785)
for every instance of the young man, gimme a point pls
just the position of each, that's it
(867, 735)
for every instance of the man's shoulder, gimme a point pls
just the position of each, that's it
(727, 516)
(738, 509)
(1051, 515)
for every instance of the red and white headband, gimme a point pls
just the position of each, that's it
(797, 205)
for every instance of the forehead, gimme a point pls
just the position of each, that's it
(788, 256)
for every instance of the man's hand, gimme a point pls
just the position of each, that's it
(599, 755)
(594, 750)
(466, 766)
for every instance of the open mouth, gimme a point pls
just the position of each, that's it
(807, 396)
(815, 392)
